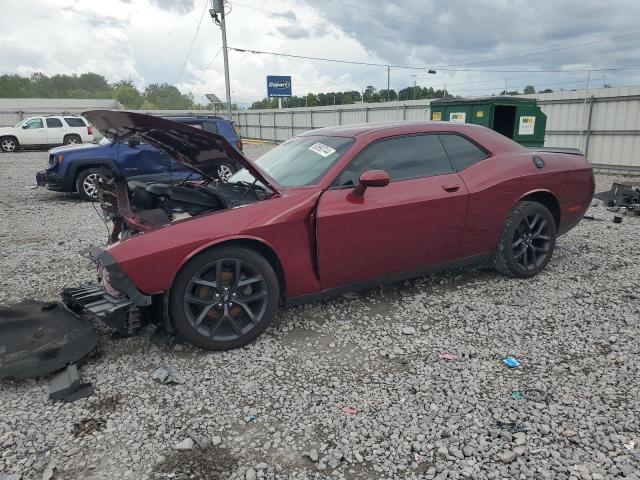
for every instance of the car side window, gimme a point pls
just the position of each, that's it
(74, 122)
(54, 123)
(462, 152)
(210, 127)
(35, 123)
(403, 158)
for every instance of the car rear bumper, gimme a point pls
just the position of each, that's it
(54, 182)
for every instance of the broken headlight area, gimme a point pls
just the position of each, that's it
(135, 205)
(115, 301)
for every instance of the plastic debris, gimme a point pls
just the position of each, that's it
(66, 386)
(349, 410)
(166, 374)
(630, 446)
(447, 357)
(617, 219)
(517, 395)
(511, 362)
(511, 427)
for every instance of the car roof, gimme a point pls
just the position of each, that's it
(203, 118)
(397, 126)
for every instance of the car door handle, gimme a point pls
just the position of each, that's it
(451, 188)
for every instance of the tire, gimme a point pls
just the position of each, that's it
(225, 170)
(9, 144)
(212, 311)
(527, 241)
(72, 140)
(84, 180)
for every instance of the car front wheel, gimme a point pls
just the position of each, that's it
(9, 144)
(86, 184)
(224, 298)
(527, 242)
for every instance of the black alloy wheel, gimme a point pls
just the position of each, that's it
(527, 242)
(531, 241)
(225, 298)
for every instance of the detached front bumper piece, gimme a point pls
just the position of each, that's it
(91, 300)
(116, 302)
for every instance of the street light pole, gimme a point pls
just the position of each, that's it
(218, 8)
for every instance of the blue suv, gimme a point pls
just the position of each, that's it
(76, 168)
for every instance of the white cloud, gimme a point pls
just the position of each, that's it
(147, 41)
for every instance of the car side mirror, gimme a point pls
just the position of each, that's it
(133, 143)
(25, 126)
(371, 178)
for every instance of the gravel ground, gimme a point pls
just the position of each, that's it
(274, 409)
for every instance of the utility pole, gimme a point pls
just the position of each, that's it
(218, 8)
(388, 83)
(414, 85)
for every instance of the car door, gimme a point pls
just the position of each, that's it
(32, 132)
(55, 130)
(138, 158)
(415, 221)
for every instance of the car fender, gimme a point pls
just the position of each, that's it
(77, 165)
(226, 239)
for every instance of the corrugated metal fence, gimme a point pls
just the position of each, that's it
(605, 123)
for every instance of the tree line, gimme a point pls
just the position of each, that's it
(160, 96)
(369, 95)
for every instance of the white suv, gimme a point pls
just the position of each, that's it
(46, 130)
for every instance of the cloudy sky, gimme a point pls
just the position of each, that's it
(476, 46)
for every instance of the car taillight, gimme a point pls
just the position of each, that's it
(89, 130)
(239, 144)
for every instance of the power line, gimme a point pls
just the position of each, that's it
(550, 49)
(208, 66)
(206, 2)
(424, 67)
(553, 50)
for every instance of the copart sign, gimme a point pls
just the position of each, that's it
(278, 86)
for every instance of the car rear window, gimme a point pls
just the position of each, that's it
(462, 152)
(210, 127)
(75, 122)
(54, 123)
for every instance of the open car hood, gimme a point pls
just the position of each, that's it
(197, 149)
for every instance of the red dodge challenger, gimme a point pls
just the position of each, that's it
(331, 210)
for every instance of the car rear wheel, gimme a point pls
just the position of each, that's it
(224, 298)
(9, 144)
(86, 184)
(225, 170)
(527, 241)
(72, 140)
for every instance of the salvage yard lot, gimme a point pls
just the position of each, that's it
(264, 408)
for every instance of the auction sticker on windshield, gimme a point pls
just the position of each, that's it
(322, 149)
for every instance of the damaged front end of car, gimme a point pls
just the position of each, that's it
(115, 300)
(136, 206)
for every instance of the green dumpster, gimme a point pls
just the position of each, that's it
(517, 118)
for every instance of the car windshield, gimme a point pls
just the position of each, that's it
(299, 161)
(19, 123)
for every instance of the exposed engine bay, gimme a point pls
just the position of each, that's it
(135, 206)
